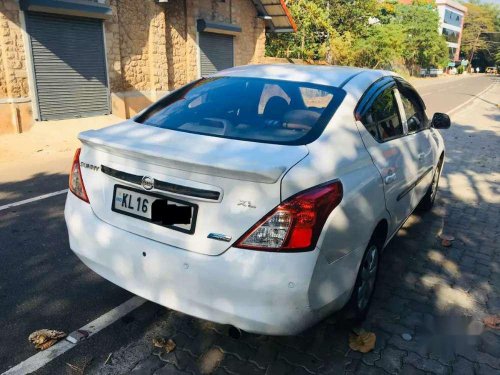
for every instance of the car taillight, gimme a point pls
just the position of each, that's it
(295, 225)
(76, 185)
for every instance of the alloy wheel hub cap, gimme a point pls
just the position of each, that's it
(368, 275)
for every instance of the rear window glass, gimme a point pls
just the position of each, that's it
(251, 109)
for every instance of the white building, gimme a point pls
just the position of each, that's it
(452, 22)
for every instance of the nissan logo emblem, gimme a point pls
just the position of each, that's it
(147, 183)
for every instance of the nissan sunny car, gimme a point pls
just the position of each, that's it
(259, 197)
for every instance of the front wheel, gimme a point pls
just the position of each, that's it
(358, 305)
(427, 201)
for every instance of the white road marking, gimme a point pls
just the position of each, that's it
(34, 199)
(40, 359)
(476, 96)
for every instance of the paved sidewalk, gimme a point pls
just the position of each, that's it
(42, 155)
(436, 295)
(49, 137)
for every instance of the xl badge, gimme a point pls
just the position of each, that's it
(148, 183)
(219, 237)
(246, 204)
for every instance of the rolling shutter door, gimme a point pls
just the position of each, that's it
(69, 65)
(216, 53)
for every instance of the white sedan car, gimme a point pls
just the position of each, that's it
(260, 197)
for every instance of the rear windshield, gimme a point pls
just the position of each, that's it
(250, 109)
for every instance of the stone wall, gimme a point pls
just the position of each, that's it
(15, 106)
(113, 54)
(152, 47)
(136, 53)
(249, 45)
(176, 43)
(136, 42)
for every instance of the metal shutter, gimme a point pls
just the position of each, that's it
(69, 65)
(216, 53)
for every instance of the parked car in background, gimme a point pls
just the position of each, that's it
(259, 197)
(430, 72)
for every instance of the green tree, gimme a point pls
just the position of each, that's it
(382, 47)
(369, 33)
(423, 46)
(340, 50)
(478, 20)
(319, 22)
(349, 15)
(481, 23)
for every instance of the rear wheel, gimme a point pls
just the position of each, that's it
(427, 201)
(361, 297)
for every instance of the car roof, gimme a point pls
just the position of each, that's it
(336, 76)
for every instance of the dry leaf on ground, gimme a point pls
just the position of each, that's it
(168, 345)
(492, 321)
(362, 341)
(45, 338)
(159, 342)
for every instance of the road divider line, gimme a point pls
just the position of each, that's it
(34, 199)
(40, 359)
(476, 96)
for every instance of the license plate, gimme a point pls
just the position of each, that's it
(157, 209)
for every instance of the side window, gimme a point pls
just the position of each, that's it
(415, 115)
(382, 119)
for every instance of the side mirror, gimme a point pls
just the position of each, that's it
(441, 121)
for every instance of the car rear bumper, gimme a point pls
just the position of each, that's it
(258, 292)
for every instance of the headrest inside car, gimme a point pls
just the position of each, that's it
(301, 117)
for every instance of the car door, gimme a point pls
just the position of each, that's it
(419, 138)
(384, 135)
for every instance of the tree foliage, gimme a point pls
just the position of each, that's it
(382, 48)
(423, 45)
(481, 20)
(368, 33)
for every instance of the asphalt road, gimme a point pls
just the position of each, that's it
(444, 96)
(43, 285)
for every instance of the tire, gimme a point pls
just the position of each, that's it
(359, 303)
(429, 198)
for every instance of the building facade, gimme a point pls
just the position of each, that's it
(452, 16)
(77, 58)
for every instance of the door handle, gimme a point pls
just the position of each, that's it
(389, 179)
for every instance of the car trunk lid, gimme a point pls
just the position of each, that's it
(232, 184)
